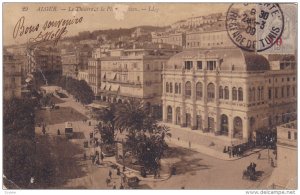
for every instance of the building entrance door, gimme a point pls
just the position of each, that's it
(199, 122)
(188, 120)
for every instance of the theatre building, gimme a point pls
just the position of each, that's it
(228, 92)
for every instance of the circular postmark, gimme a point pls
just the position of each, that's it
(254, 27)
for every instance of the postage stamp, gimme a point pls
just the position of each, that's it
(255, 27)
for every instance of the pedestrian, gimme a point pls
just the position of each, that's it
(259, 155)
(102, 157)
(229, 152)
(109, 174)
(107, 181)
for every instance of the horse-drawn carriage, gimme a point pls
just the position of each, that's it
(250, 172)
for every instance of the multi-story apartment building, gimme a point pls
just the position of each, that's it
(83, 75)
(284, 175)
(47, 60)
(12, 76)
(227, 92)
(94, 75)
(69, 64)
(175, 38)
(75, 60)
(134, 73)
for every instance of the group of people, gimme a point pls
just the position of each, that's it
(234, 151)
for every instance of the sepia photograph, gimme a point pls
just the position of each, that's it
(152, 96)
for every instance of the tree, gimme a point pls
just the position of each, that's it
(107, 127)
(145, 138)
(19, 145)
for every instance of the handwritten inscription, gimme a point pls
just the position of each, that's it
(49, 31)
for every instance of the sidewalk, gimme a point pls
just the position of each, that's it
(205, 143)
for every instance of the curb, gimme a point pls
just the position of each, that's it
(204, 150)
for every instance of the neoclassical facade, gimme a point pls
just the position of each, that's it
(227, 92)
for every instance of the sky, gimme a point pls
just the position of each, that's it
(129, 15)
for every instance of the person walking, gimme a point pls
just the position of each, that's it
(109, 174)
(107, 181)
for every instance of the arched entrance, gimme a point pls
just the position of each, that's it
(188, 119)
(178, 118)
(169, 114)
(237, 128)
(224, 124)
(211, 124)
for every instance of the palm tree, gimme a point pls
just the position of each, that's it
(145, 137)
(107, 128)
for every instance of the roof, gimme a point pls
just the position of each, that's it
(230, 57)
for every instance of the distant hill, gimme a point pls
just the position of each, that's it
(113, 33)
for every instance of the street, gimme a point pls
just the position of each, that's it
(194, 170)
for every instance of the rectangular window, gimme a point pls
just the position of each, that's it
(295, 135)
(282, 91)
(276, 92)
(188, 65)
(199, 65)
(289, 135)
(211, 65)
(270, 93)
(288, 91)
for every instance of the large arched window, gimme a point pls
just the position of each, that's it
(167, 87)
(169, 114)
(199, 89)
(221, 92)
(176, 88)
(171, 88)
(250, 94)
(210, 92)
(188, 89)
(258, 93)
(226, 93)
(240, 94)
(234, 93)
(253, 93)
(179, 88)
(262, 93)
